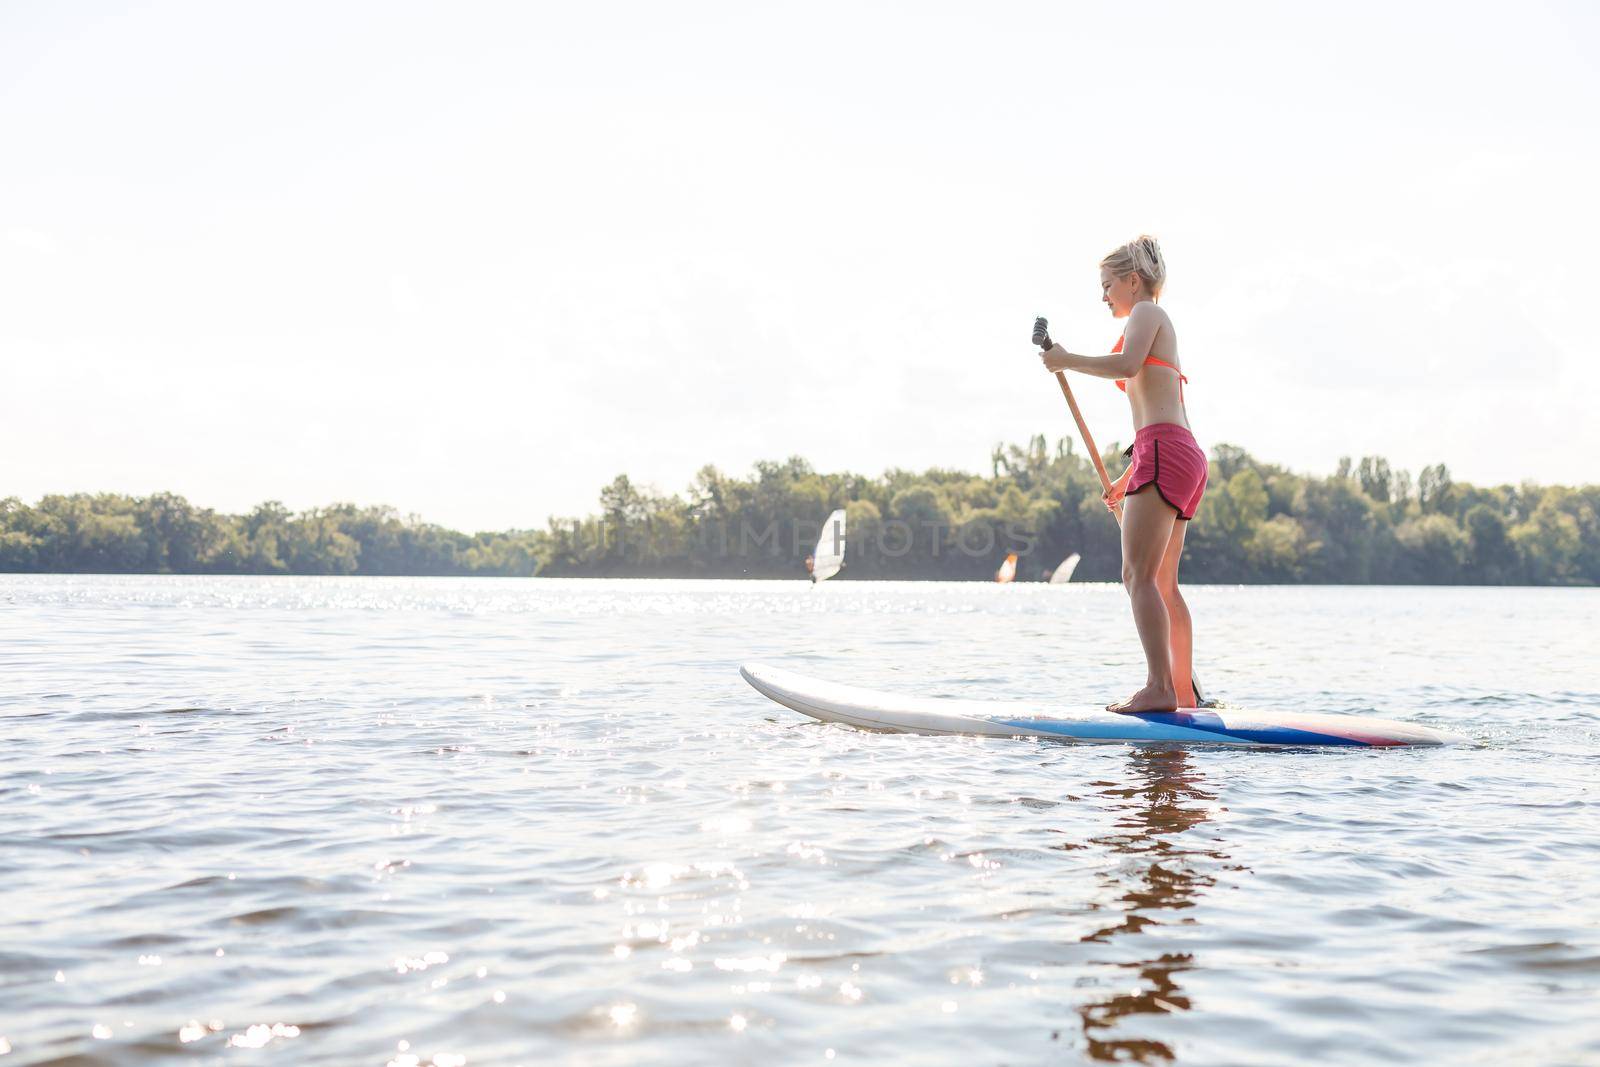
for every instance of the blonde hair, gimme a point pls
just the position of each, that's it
(1141, 256)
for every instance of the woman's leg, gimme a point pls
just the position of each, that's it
(1147, 523)
(1180, 630)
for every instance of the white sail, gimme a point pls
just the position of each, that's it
(829, 556)
(1063, 573)
(1008, 569)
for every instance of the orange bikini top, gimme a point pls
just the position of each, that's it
(1122, 383)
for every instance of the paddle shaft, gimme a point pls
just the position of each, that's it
(1088, 440)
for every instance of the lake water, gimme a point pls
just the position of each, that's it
(436, 821)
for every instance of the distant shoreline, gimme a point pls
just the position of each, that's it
(798, 580)
(1259, 524)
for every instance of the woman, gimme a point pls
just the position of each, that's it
(1166, 461)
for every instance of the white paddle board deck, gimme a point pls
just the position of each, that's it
(872, 710)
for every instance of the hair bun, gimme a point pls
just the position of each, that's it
(1141, 256)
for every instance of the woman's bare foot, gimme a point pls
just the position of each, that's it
(1150, 698)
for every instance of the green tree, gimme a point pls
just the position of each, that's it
(1434, 489)
(1433, 549)
(1339, 523)
(1551, 542)
(1375, 477)
(1225, 524)
(1276, 550)
(1492, 555)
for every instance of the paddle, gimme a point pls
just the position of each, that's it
(1088, 441)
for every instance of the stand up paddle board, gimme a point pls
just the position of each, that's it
(872, 710)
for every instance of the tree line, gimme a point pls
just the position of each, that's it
(1365, 523)
(106, 533)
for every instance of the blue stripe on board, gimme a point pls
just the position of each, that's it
(1178, 726)
(1210, 722)
(1134, 729)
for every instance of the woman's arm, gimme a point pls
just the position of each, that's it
(1140, 334)
(1113, 366)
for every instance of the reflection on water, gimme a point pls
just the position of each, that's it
(1164, 797)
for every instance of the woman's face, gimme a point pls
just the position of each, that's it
(1120, 294)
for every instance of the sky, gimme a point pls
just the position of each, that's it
(475, 260)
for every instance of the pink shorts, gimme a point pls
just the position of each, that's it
(1166, 456)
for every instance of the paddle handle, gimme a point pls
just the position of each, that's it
(1088, 440)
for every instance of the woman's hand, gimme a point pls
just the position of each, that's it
(1054, 358)
(1118, 490)
(1114, 495)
